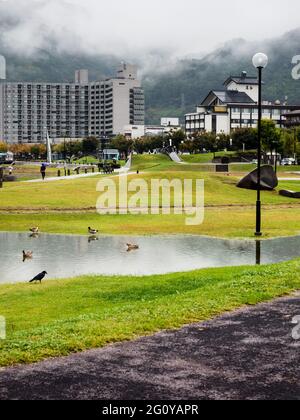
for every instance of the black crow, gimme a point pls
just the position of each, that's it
(39, 277)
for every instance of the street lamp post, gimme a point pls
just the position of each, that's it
(295, 145)
(260, 62)
(65, 149)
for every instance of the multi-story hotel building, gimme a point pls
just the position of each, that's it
(73, 110)
(117, 102)
(235, 107)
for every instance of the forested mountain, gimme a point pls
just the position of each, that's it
(178, 89)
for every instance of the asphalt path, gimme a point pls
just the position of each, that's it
(246, 354)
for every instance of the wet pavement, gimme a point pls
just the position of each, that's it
(246, 354)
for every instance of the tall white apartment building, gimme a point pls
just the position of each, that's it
(117, 102)
(73, 110)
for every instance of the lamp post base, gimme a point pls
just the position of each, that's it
(258, 219)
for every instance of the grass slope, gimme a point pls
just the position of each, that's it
(219, 222)
(81, 193)
(60, 317)
(69, 206)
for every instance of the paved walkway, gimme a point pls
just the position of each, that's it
(248, 354)
(68, 178)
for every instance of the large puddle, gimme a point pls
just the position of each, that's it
(67, 256)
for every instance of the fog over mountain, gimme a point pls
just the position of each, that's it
(138, 29)
(183, 49)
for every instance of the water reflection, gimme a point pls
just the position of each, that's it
(258, 252)
(67, 256)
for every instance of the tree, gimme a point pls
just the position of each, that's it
(73, 148)
(90, 145)
(271, 137)
(122, 144)
(188, 146)
(38, 151)
(244, 136)
(148, 143)
(3, 147)
(288, 141)
(177, 137)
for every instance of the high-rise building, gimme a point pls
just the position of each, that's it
(82, 77)
(73, 110)
(117, 102)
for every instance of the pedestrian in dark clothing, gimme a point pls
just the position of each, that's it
(43, 171)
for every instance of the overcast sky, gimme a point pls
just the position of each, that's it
(134, 27)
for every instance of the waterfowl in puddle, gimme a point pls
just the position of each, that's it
(27, 255)
(132, 247)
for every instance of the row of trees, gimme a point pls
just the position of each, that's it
(88, 146)
(282, 141)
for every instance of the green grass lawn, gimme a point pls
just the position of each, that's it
(86, 160)
(204, 157)
(201, 158)
(152, 163)
(81, 193)
(69, 206)
(61, 317)
(26, 172)
(236, 222)
(282, 170)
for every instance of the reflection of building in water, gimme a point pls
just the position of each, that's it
(81, 245)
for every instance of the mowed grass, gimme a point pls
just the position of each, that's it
(218, 222)
(285, 171)
(70, 206)
(61, 317)
(72, 194)
(204, 157)
(81, 193)
(27, 171)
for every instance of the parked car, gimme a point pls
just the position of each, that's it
(288, 162)
(6, 158)
(254, 162)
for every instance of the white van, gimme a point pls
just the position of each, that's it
(288, 162)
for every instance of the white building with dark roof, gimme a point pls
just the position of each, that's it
(223, 111)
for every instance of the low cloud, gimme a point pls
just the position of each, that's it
(153, 34)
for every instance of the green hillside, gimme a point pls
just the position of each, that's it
(177, 91)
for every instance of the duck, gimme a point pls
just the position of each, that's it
(34, 229)
(27, 255)
(132, 247)
(93, 231)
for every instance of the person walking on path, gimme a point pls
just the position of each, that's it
(43, 171)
